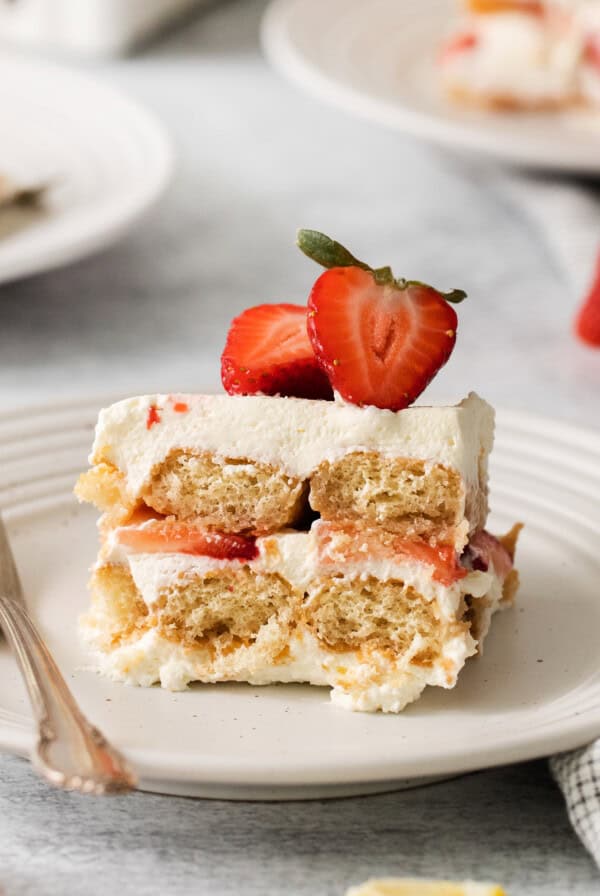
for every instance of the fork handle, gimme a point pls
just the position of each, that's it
(70, 752)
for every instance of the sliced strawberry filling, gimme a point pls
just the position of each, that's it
(591, 52)
(353, 544)
(168, 537)
(153, 416)
(457, 44)
(483, 551)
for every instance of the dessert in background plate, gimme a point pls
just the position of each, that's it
(395, 886)
(525, 54)
(276, 535)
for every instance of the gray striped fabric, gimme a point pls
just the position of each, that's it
(578, 775)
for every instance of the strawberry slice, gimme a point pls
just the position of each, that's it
(268, 351)
(458, 44)
(591, 52)
(587, 322)
(485, 549)
(346, 543)
(168, 537)
(380, 339)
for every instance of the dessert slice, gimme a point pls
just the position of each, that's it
(396, 886)
(201, 578)
(524, 54)
(262, 538)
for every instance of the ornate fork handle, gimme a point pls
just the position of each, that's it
(70, 752)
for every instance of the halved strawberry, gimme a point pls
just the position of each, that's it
(268, 351)
(380, 339)
(587, 322)
(169, 537)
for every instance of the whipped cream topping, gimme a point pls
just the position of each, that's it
(587, 11)
(590, 84)
(291, 433)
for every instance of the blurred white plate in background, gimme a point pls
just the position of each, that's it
(377, 59)
(107, 160)
(536, 689)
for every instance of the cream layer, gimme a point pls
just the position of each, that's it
(367, 686)
(293, 434)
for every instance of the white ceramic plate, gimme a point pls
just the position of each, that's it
(107, 160)
(377, 60)
(536, 690)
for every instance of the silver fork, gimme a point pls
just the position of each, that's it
(69, 752)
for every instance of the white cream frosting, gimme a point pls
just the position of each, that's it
(590, 84)
(587, 11)
(292, 433)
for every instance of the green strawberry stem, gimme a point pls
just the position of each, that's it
(331, 254)
(327, 252)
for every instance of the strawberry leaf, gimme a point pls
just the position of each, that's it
(454, 296)
(331, 254)
(327, 252)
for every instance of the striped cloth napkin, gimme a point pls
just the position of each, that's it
(578, 775)
(567, 212)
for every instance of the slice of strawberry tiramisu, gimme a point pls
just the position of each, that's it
(525, 54)
(274, 534)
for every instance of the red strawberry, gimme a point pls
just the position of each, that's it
(591, 52)
(587, 322)
(165, 537)
(268, 351)
(442, 557)
(379, 339)
(457, 44)
(484, 549)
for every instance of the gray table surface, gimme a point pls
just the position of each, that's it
(257, 159)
